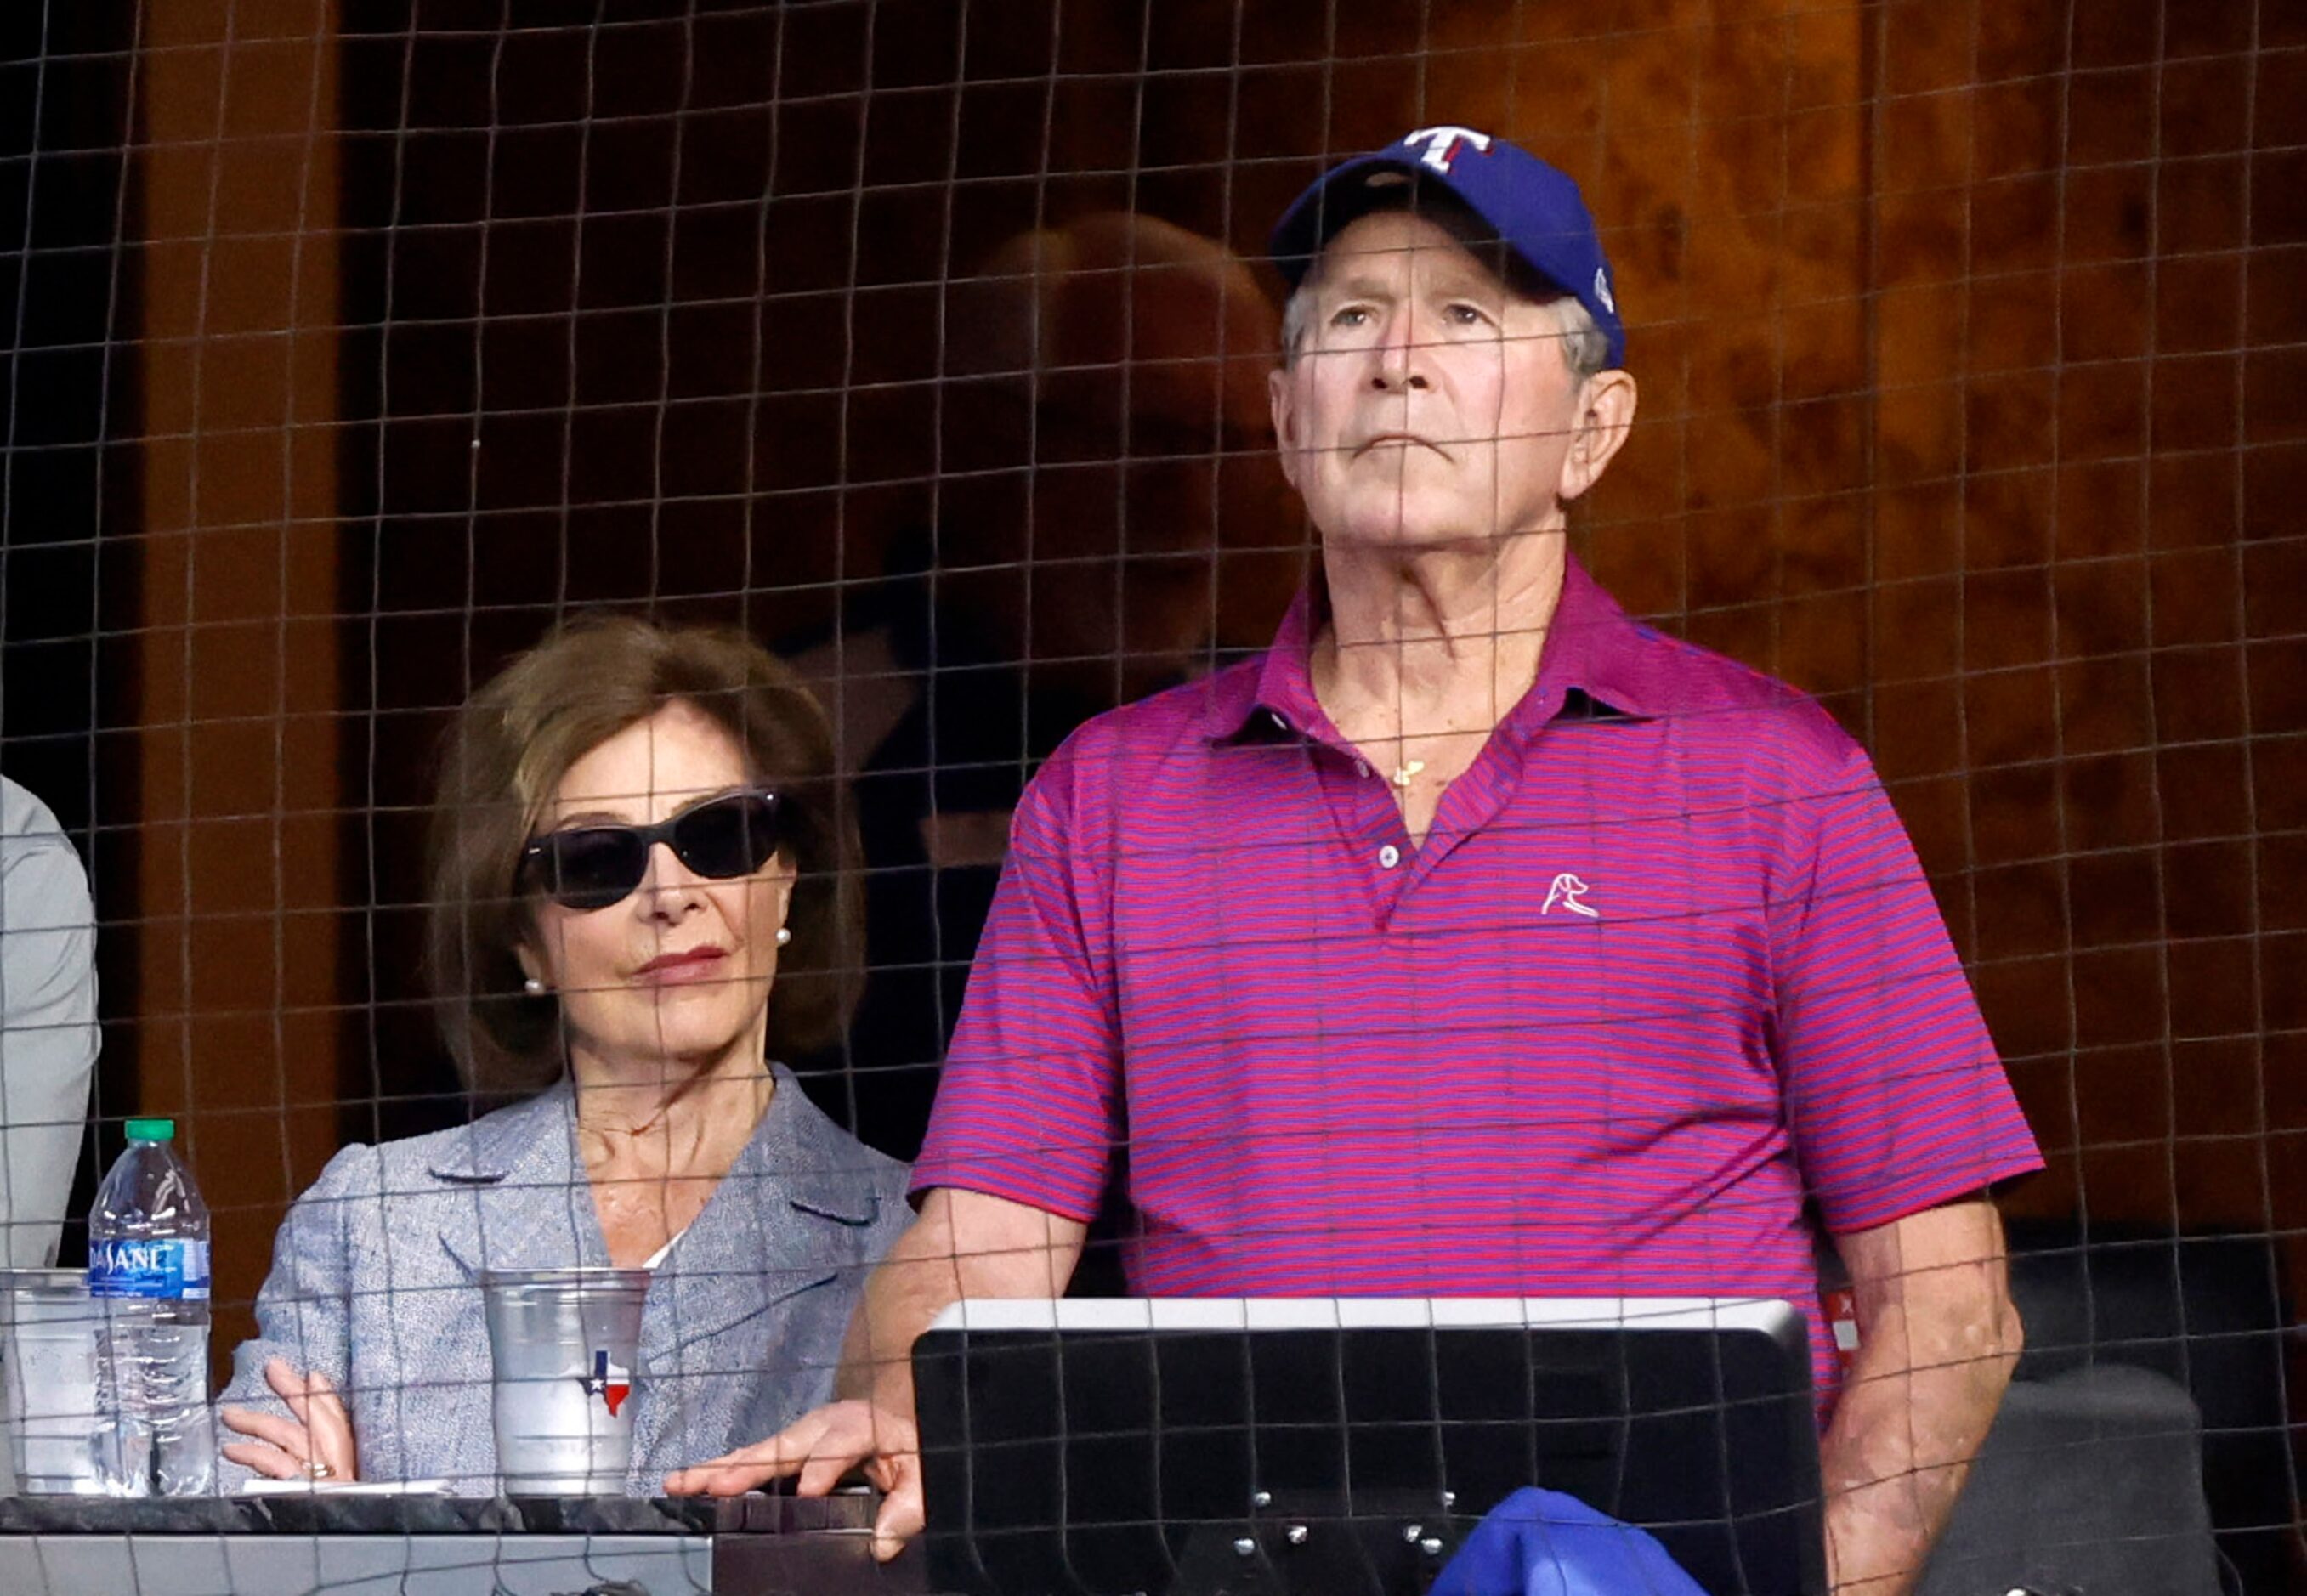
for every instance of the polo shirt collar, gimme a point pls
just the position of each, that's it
(1598, 660)
(1594, 647)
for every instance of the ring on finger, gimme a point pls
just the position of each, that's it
(314, 1469)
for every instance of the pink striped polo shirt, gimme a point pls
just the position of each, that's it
(1664, 967)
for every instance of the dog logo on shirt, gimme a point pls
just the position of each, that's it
(1570, 893)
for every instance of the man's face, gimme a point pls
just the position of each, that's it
(1429, 402)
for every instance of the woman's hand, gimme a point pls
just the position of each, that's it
(315, 1445)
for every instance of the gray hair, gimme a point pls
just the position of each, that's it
(1584, 349)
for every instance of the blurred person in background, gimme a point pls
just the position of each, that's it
(48, 1023)
(1109, 517)
(636, 842)
(1476, 939)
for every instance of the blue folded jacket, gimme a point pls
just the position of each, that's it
(1543, 1543)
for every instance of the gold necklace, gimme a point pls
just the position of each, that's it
(1407, 772)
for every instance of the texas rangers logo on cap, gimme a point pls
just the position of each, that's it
(1533, 209)
(608, 1381)
(1444, 143)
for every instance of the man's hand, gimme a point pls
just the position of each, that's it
(963, 1244)
(816, 1450)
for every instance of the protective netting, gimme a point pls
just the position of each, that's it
(355, 345)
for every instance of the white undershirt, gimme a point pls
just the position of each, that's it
(656, 1258)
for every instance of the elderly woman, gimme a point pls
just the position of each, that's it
(637, 840)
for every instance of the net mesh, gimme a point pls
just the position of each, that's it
(357, 344)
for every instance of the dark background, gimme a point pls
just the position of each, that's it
(1973, 344)
(68, 486)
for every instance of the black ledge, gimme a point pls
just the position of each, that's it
(328, 1514)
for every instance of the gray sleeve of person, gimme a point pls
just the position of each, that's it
(47, 1024)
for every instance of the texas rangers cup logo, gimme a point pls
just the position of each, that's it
(608, 1381)
(1444, 143)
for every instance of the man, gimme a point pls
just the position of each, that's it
(1477, 939)
(47, 1025)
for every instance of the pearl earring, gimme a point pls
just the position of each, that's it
(784, 935)
(532, 986)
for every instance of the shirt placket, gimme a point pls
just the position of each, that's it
(1475, 799)
(1369, 826)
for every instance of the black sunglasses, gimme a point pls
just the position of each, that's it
(592, 867)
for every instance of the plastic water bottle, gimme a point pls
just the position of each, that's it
(148, 1264)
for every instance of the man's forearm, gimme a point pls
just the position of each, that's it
(962, 1245)
(1894, 1462)
(905, 1292)
(1938, 1338)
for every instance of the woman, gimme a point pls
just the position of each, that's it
(638, 838)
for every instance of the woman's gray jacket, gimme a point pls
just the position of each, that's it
(376, 1276)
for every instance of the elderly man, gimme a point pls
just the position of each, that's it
(1476, 939)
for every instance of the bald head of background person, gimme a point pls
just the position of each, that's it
(1109, 461)
(1108, 511)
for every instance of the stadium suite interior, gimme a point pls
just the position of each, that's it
(2018, 500)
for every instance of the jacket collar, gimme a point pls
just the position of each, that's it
(529, 1136)
(527, 1205)
(786, 1216)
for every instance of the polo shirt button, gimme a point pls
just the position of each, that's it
(1362, 769)
(1388, 857)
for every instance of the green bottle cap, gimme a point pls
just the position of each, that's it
(151, 1130)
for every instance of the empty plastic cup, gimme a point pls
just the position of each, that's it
(565, 1345)
(51, 1336)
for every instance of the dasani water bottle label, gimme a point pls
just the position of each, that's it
(169, 1268)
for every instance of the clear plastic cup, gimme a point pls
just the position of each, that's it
(565, 1346)
(60, 1442)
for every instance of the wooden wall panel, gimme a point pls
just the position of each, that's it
(237, 721)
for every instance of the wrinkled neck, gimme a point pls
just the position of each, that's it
(671, 1116)
(1448, 635)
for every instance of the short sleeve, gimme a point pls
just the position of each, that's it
(1028, 1104)
(47, 1027)
(1896, 1099)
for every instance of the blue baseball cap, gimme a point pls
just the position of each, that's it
(1537, 211)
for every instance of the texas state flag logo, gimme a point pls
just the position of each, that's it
(608, 1381)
